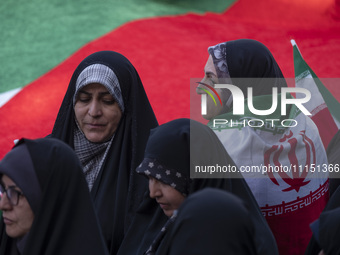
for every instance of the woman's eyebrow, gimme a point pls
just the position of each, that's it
(84, 92)
(88, 93)
(10, 187)
(104, 93)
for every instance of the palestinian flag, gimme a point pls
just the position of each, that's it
(43, 42)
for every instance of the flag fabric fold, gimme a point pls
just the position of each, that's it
(284, 163)
(322, 105)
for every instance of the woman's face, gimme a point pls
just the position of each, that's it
(210, 78)
(17, 218)
(97, 113)
(168, 198)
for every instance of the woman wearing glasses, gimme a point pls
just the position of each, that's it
(45, 202)
(19, 222)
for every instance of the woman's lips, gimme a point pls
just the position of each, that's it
(163, 206)
(94, 125)
(7, 221)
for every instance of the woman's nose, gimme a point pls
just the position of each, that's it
(201, 87)
(154, 188)
(95, 109)
(4, 202)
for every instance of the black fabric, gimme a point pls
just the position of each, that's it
(65, 222)
(159, 238)
(211, 221)
(333, 155)
(333, 204)
(184, 144)
(117, 190)
(145, 227)
(251, 64)
(329, 231)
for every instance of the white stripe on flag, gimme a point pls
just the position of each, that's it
(6, 96)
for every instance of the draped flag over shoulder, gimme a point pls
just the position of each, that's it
(281, 161)
(323, 106)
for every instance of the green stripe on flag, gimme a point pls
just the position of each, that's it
(37, 35)
(302, 69)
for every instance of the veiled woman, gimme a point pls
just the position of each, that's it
(173, 153)
(277, 148)
(45, 202)
(106, 117)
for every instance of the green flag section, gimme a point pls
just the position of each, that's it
(37, 35)
(168, 51)
(303, 70)
(322, 105)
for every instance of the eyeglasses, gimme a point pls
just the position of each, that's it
(12, 194)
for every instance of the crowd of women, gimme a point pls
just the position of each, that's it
(109, 180)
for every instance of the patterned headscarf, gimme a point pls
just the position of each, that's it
(92, 155)
(247, 63)
(98, 73)
(219, 56)
(172, 177)
(167, 156)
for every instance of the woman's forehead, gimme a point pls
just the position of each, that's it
(6, 181)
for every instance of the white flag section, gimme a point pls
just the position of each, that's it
(280, 164)
(6, 96)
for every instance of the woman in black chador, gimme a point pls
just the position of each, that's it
(45, 202)
(106, 117)
(173, 152)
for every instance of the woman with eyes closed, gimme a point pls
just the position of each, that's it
(172, 153)
(106, 117)
(45, 202)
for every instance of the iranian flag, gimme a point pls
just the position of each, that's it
(322, 105)
(285, 165)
